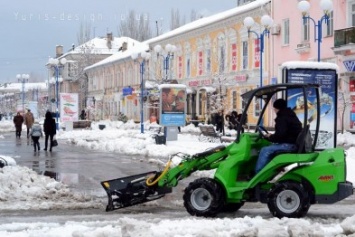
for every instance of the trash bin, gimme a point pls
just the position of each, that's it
(102, 126)
(160, 139)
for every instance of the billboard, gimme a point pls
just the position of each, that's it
(327, 79)
(172, 105)
(69, 107)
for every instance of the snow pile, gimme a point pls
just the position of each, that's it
(23, 188)
(216, 227)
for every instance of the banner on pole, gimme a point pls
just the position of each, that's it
(69, 107)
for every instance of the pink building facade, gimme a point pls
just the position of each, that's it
(292, 40)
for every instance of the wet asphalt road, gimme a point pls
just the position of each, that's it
(81, 169)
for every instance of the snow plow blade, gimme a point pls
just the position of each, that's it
(132, 190)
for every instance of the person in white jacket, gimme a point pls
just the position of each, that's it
(36, 133)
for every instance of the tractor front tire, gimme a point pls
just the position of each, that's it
(204, 197)
(288, 199)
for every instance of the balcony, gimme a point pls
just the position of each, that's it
(344, 41)
(303, 47)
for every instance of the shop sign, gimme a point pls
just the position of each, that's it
(127, 91)
(350, 65)
(204, 82)
(241, 78)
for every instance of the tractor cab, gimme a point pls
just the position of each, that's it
(258, 104)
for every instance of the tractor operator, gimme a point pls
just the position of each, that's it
(287, 129)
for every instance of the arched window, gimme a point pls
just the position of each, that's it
(244, 55)
(221, 53)
(188, 60)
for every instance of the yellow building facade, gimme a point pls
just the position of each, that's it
(215, 57)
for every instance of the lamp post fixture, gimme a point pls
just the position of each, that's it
(23, 78)
(266, 22)
(167, 53)
(326, 6)
(143, 57)
(57, 65)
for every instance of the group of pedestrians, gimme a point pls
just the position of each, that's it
(34, 129)
(231, 121)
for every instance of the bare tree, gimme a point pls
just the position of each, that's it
(193, 16)
(175, 19)
(84, 34)
(136, 26)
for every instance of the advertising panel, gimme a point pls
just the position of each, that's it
(327, 79)
(69, 107)
(172, 105)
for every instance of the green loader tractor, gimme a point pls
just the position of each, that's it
(289, 184)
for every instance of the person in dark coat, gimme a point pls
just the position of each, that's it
(18, 121)
(50, 129)
(219, 122)
(234, 119)
(287, 129)
(83, 115)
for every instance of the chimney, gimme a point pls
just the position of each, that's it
(124, 46)
(109, 40)
(58, 51)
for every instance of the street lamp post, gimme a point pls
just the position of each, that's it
(23, 78)
(326, 6)
(144, 56)
(167, 53)
(56, 65)
(266, 22)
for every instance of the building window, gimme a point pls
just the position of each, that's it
(72, 70)
(305, 30)
(188, 67)
(208, 60)
(329, 27)
(245, 55)
(352, 13)
(286, 32)
(222, 59)
(221, 53)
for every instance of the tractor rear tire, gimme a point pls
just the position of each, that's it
(204, 197)
(288, 199)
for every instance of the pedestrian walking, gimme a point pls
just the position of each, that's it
(18, 121)
(50, 129)
(36, 133)
(29, 120)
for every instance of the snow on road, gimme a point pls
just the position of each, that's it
(23, 189)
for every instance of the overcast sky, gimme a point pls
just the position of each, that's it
(30, 30)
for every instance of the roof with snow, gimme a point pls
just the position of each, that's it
(28, 86)
(139, 47)
(209, 20)
(99, 45)
(310, 65)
